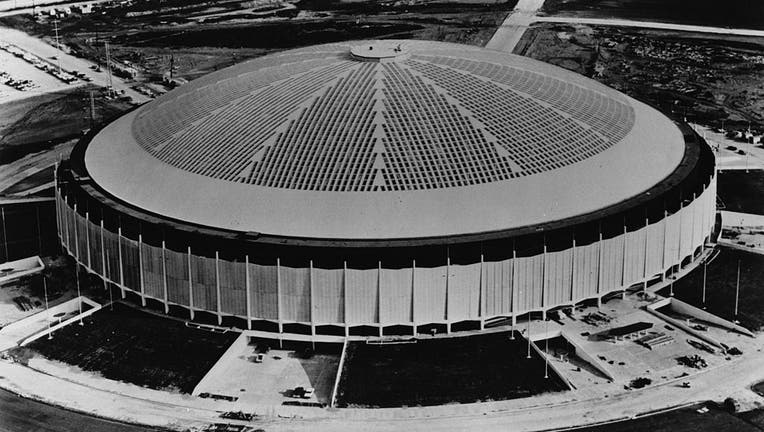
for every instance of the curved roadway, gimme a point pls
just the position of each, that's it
(19, 414)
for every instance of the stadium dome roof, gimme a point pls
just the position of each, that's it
(384, 140)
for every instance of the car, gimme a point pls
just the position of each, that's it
(303, 392)
(259, 358)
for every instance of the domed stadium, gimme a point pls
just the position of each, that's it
(385, 187)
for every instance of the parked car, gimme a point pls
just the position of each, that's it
(303, 392)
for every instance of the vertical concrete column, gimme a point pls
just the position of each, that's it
(64, 221)
(544, 285)
(76, 235)
(87, 239)
(164, 279)
(103, 254)
(623, 259)
(247, 294)
(280, 314)
(311, 305)
(694, 212)
(573, 273)
(56, 197)
(481, 296)
(119, 254)
(599, 267)
(647, 248)
(345, 297)
(679, 248)
(140, 269)
(379, 297)
(217, 287)
(39, 231)
(190, 286)
(413, 297)
(665, 244)
(513, 294)
(448, 297)
(704, 219)
(5, 235)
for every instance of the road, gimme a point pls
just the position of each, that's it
(524, 15)
(24, 415)
(512, 29)
(652, 25)
(17, 171)
(15, 7)
(68, 62)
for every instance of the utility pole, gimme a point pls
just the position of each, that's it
(58, 46)
(92, 110)
(108, 67)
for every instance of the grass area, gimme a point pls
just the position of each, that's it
(732, 13)
(134, 346)
(683, 420)
(721, 278)
(705, 78)
(741, 191)
(442, 370)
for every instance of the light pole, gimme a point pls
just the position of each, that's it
(47, 313)
(58, 46)
(79, 295)
(106, 284)
(546, 350)
(705, 265)
(529, 335)
(671, 284)
(737, 291)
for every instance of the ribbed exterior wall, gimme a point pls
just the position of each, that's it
(389, 296)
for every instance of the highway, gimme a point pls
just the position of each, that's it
(24, 415)
(512, 29)
(652, 25)
(524, 15)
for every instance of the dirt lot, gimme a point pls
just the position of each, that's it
(137, 347)
(39, 122)
(705, 78)
(197, 37)
(442, 370)
(731, 13)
